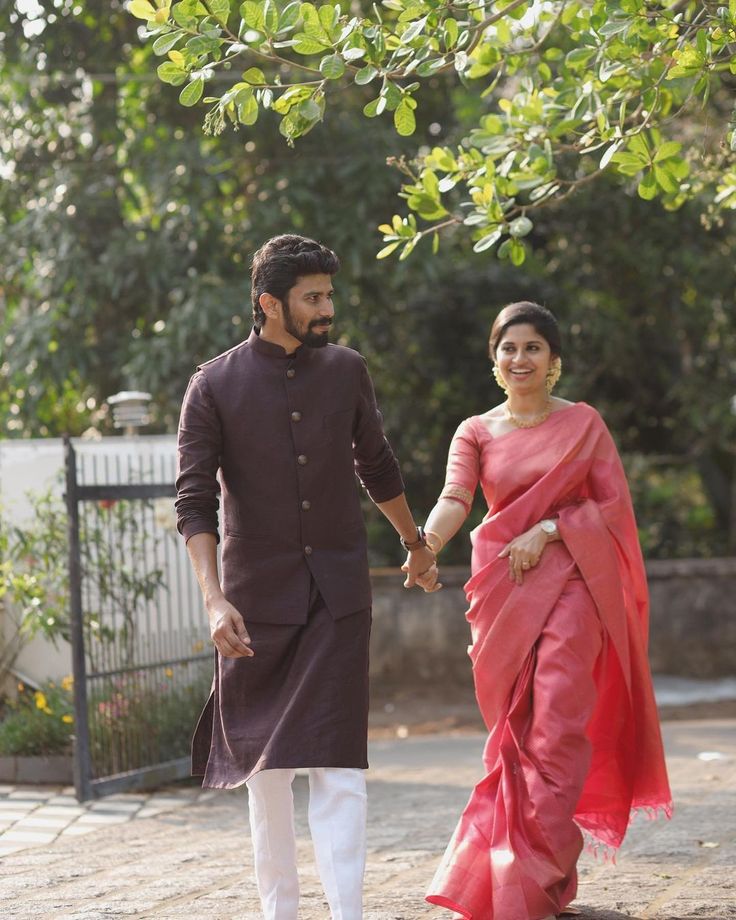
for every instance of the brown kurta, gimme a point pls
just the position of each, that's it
(286, 435)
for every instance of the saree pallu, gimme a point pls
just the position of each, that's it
(560, 669)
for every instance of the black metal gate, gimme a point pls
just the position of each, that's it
(142, 662)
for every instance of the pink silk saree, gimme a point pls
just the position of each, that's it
(560, 669)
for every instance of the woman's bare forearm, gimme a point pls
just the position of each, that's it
(444, 521)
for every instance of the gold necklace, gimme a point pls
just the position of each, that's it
(528, 423)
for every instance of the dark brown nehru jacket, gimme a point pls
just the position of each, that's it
(285, 435)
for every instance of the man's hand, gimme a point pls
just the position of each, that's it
(227, 630)
(421, 569)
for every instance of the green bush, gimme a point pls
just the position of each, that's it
(38, 722)
(145, 716)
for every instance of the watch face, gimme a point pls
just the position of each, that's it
(549, 527)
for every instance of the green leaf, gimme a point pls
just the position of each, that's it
(392, 94)
(164, 43)
(248, 111)
(517, 253)
(520, 227)
(328, 17)
(387, 250)
(332, 66)
(639, 147)
(310, 110)
(374, 107)
(192, 92)
(404, 119)
(667, 150)
(569, 13)
(648, 186)
(254, 75)
(485, 242)
(252, 14)
(289, 16)
(577, 58)
(142, 9)
(307, 45)
(608, 155)
(171, 73)
(628, 164)
(701, 41)
(504, 250)
(203, 44)
(353, 54)
(665, 179)
(220, 9)
(451, 32)
(415, 29)
(427, 68)
(270, 17)
(365, 74)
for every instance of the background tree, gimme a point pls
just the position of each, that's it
(127, 232)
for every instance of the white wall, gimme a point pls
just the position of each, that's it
(35, 465)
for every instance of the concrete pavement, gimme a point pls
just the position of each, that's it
(192, 860)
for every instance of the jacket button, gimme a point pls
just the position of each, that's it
(302, 460)
(307, 550)
(306, 505)
(296, 416)
(291, 373)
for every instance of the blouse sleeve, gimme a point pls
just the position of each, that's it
(463, 466)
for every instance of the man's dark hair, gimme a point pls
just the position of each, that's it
(280, 262)
(525, 311)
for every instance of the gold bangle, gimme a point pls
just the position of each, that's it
(433, 533)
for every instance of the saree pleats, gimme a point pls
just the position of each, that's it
(514, 852)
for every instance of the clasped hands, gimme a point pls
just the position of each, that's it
(524, 552)
(421, 570)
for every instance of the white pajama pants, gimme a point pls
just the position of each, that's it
(337, 822)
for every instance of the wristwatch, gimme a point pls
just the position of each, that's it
(420, 541)
(549, 527)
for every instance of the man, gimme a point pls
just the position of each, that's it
(286, 420)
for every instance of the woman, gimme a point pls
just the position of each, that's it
(558, 618)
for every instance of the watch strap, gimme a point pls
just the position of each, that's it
(411, 545)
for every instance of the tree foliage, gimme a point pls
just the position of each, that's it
(127, 232)
(567, 90)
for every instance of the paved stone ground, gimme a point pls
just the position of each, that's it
(194, 862)
(37, 815)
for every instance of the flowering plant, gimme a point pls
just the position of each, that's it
(38, 722)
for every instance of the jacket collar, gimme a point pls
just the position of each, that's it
(271, 350)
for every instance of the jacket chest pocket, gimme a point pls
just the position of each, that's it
(338, 427)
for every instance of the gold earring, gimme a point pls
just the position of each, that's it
(553, 374)
(499, 379)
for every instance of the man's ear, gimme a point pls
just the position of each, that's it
(270, 305)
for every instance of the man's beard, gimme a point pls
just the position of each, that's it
(308, 336)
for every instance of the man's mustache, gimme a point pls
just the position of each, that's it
(320, 322)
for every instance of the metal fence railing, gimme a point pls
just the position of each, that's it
(141, 659)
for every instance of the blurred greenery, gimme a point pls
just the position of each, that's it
(571, 90)
(127, 233)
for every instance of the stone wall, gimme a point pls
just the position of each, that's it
(424, 638)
